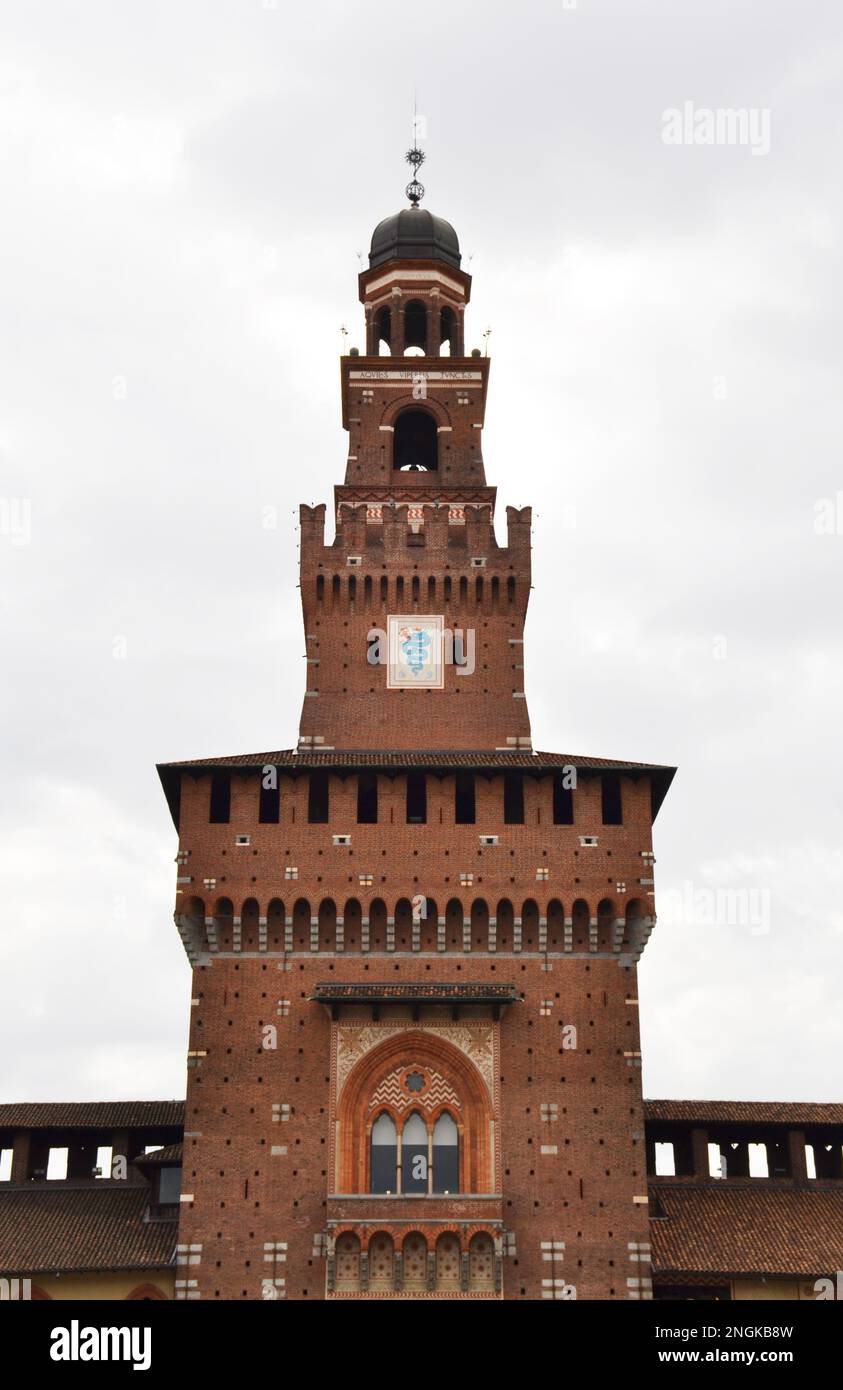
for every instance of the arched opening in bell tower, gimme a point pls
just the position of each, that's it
(415, 442)
(447, 333)
(383, 332)
(415, 327)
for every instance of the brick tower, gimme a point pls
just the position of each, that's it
(414, 1066)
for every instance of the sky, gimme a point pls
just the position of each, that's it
(187, 188)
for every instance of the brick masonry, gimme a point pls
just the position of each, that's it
(546, 1091)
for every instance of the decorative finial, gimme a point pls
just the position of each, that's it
(414, 189)
(415, 158)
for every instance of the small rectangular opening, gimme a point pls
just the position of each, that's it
(220, 811)
(758, 1164)
(563, 801)
(367, 798)
(416, 798)
(105, 1156)
(715, 1162)
(464, 801)
(611, 797)
(665, 1160)
(317, 799)
(269, 808)
(169, 1186)
(57, 1165)
(513, 798)
(6, 1165)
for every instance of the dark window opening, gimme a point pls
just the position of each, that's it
(384, 1150)
(220, 798)
(414, 1155)
(446, 1155)
(415, 442)
(563, 802)
(415, 325)
(383, 330)
(448, 332)
(367, 798)
(317, 799)
(611, 796)
(169, 1187)
(269, 809)
(464, 799)
(513, 798)
(416, 799)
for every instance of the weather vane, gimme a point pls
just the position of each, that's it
(414, 189)
(415, 158)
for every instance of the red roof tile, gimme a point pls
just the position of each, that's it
(58, 1228)
(721, 1112)
(723, 1229)
(104, 1114)
(170, 1153)
(433, 757)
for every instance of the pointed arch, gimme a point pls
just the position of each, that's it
(415, 1047)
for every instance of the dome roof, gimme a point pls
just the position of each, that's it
(414, 234)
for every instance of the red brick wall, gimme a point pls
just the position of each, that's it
(241, 1191)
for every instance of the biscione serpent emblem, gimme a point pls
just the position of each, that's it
(415, 648)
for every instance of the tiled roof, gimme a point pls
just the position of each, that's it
(54, 1228)
(421, 993)
(432, 758)
(428, 757)
(171, 1153)
(104, 1114)
(721, 1229)
(721, 1112)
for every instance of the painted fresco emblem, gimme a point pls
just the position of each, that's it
(415, 652)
